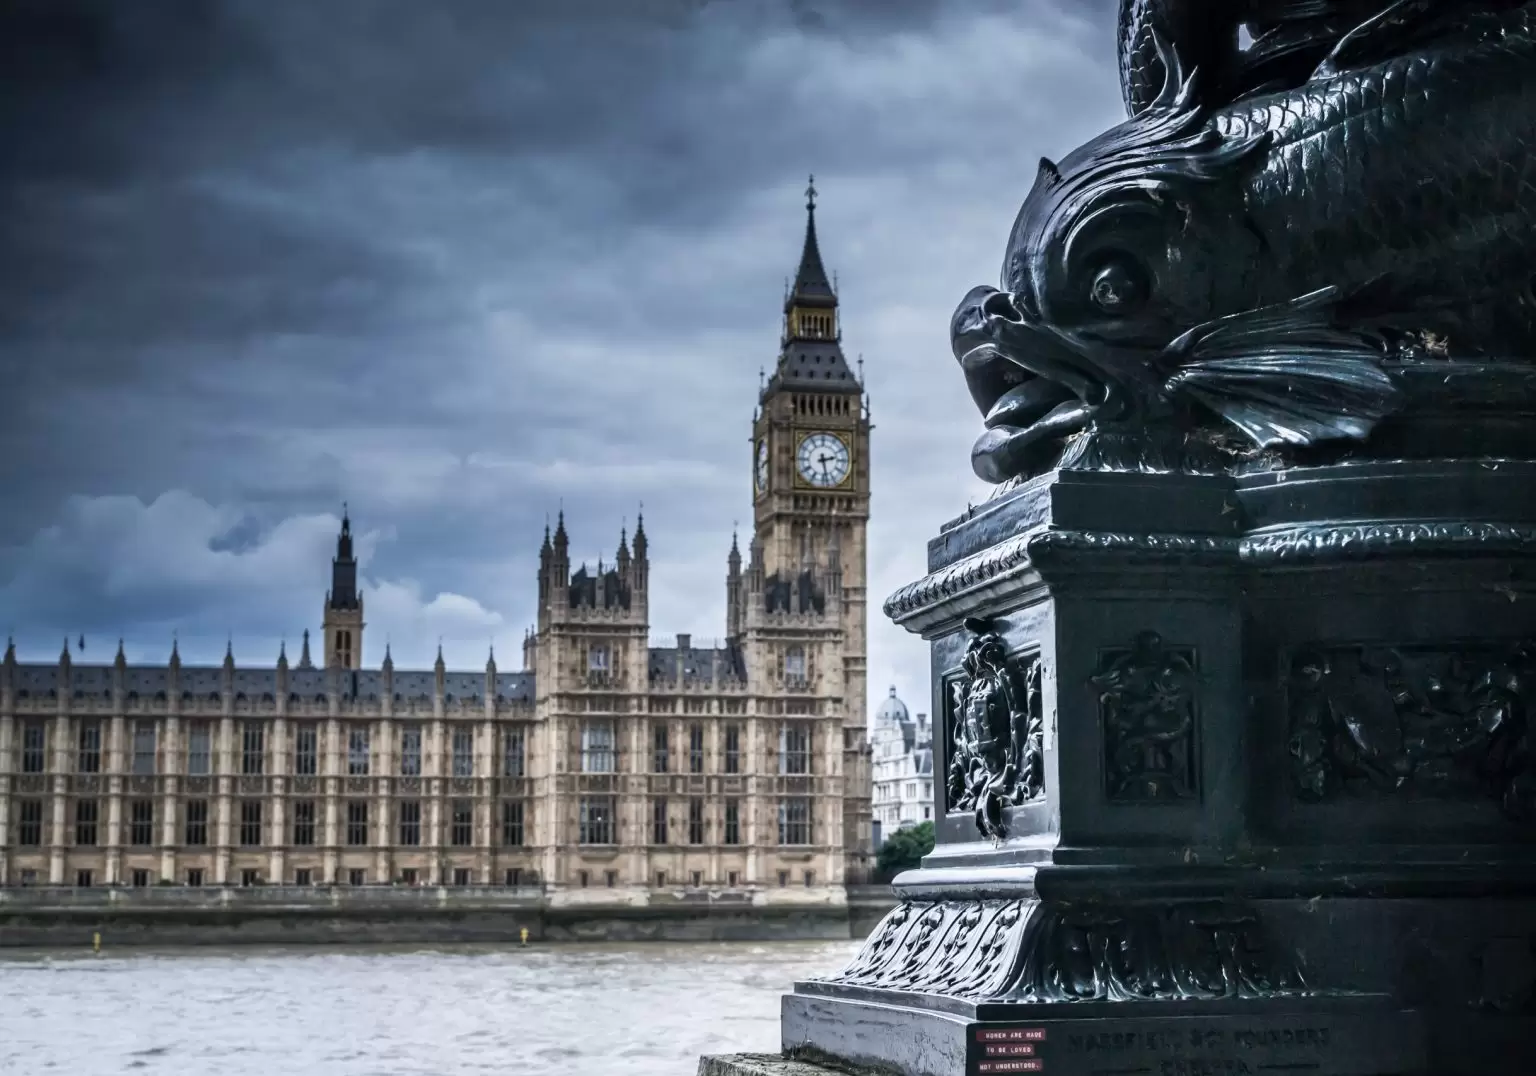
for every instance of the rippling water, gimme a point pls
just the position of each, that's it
(604, 1010)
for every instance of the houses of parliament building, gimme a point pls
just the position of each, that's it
(604, 769)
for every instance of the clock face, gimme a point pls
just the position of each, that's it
(762, 465)
(823, 460)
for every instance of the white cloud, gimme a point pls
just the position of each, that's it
(116, 566)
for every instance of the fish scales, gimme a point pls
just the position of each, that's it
(1451, 210)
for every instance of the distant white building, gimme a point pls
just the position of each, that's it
(902, 750)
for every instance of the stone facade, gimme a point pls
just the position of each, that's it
(606, 769)
(902, 755)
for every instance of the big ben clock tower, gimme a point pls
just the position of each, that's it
(810, 486)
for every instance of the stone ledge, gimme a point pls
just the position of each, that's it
(762, 1065)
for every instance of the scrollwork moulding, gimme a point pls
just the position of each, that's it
(1014, 557)
(995, 732)
(1341, 541)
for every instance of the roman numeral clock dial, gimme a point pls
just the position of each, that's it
(823, 460)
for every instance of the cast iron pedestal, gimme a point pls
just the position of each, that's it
(1234, 776)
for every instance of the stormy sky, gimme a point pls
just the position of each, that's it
(462, 263)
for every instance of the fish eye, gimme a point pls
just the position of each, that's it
(1118, 286)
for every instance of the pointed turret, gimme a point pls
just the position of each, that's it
(342, 624)
(389, 661)
(282, 654)
(490, 661)
(175, 661)
(229, 654)
(10, 650)
(64, 655)
(562, 540)
(343, 593)
(304, 661)
(121, 660)
(641, 546)
(734, 621)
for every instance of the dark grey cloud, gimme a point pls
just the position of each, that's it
(464, 263)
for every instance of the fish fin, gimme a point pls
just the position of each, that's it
(1390, 32)
(1286, 374)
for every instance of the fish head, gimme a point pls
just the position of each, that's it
(1089, 296)
(1107, 261)
(1133, 240)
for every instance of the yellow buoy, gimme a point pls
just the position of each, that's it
(523, 933)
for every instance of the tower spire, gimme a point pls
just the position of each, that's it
(812, 285)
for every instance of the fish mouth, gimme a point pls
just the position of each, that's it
(1034, 389)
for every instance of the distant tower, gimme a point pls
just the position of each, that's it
(343, 624)
(810, 486)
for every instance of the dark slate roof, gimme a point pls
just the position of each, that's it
(90, 680)
(367, 684)
(700, 664)
(514, 687)
(412, 685)
(255, 682)
(464, 686)
(208, 680)
(202, 680)
(146, 679)
(306, 683)
(815, 364)
(37, 679)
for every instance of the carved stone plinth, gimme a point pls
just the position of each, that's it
(1238, 775)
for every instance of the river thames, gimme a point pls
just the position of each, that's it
(571, 1010)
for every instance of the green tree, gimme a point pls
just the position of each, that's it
(906, 848)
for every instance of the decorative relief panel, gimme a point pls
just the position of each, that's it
(1148, 720)
(1432, 722)
(995, 729)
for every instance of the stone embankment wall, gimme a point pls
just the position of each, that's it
(391, 915)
